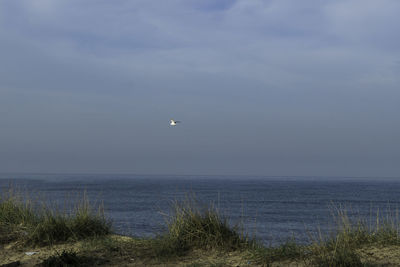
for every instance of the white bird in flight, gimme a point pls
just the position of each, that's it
(173, 122)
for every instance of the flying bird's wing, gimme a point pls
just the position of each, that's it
(173, 122)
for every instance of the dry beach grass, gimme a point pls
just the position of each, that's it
(196, 235)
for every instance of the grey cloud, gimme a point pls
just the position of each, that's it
(281, 87)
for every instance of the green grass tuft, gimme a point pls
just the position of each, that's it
(340, 248)
(40, 225)
(192, 227)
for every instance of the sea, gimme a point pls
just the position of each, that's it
(271, 209)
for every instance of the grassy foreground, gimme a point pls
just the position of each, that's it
(195, 236)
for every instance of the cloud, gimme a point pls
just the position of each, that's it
(302, 73)
(280, 44)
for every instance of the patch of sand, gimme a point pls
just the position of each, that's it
(382, 256)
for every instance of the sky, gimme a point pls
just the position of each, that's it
(271, 88)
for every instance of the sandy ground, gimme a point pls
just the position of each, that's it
(14, 252)
(382, 256)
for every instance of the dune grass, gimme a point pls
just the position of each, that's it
(37, 224)
(339, 248)
(189, 227)
(195, 226)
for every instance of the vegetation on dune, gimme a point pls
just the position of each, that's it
(34, 224)
(191, 227)
(338, 248)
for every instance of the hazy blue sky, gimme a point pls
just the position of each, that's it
(272, 87)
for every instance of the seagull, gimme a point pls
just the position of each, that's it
(173, 122)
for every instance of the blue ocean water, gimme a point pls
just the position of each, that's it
(274, 209)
